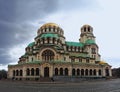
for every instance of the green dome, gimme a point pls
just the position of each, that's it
(31, 44)
(49, 35)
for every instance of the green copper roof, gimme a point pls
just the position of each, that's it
(24, 55)
(49, 35)
(74, 44)
(89, 41)
(31, 44)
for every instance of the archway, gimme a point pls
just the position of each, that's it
(46, 72)
(48, 55)
(107, 71)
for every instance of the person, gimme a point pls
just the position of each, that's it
(52, 79)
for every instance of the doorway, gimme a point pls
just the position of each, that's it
(46, 72)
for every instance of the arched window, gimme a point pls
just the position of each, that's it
(32, 71)
(84, 29)
(86, 72)
(67, 48)
(73, 72)
(56, 71)
(99, 72)
(28, 72)
(48, 55)
(78, 72)
(53, 40)
(87, 60)
(66, 71)
(48, 40)
(37, 71)
(94, 72)
(82, 72)
(89, 29)
(21, 72)
(90, 71)
(61, 71)
(93, 50)
(75, 48)
(17, 72)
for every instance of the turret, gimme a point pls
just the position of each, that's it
(86, 34)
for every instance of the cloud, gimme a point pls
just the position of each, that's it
(16, 23)
(20, 19)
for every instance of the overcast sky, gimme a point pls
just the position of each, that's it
(20, 19)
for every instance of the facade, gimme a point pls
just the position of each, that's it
(50, 55)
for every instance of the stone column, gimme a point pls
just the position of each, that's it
(103, 72)
(110, 72)
(70, 71)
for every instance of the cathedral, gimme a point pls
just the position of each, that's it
(51, 56)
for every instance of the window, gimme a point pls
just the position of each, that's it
(94, 72)
(99, 72)
(17, 73)
(82, 72)
(21, 72)
(61, 71)
(93, 50)
(88, 29)
(48, 55)
(91, 72)
(56, 71)
(67, 48)
(32, 59)
(28, 72)
(37, 71)
(53, 40)
(80, 59)
(64, 58)
(73, 72)
(32, 71)
(48, 40)
(86, 72)
(66, 71)
(87, 60)
(84, 29)
(72, 59)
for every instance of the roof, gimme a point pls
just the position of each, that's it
(74, 44)
(49, 35)
(89, 41)
(102, 62)
(31, 44)
(50, 24)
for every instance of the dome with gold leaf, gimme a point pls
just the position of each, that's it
(102, 62)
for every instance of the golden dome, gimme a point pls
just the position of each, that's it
(50, 24)
(102, 62)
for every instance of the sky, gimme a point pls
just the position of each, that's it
(20, 20)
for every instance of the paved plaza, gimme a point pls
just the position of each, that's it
(86, 86)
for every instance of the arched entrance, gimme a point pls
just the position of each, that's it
(46, 72)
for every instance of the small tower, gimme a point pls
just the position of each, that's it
(86, 34)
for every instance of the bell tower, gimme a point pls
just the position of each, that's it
(86, 34)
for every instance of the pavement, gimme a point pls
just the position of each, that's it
(112, 85)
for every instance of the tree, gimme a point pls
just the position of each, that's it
(116, 72)
(3, 74)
